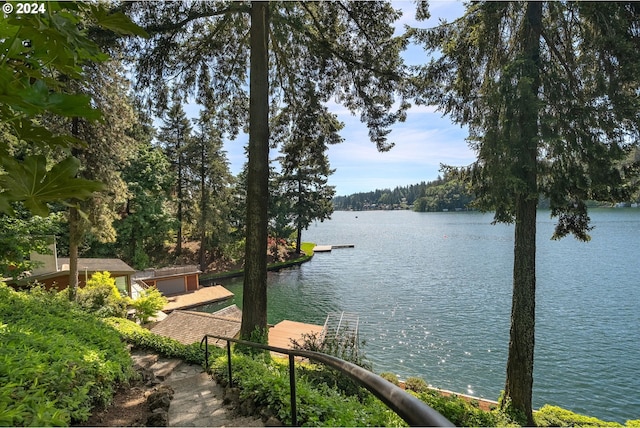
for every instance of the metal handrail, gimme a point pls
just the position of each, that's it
(414, 411)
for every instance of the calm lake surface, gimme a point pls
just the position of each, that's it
(433, 293)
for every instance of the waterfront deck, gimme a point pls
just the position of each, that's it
(201, 296)
(282, 333)
(328, 248)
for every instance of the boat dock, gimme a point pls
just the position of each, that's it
(281, 334)
(201, 296)
(328, 248)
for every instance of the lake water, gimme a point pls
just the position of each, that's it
(433, 293)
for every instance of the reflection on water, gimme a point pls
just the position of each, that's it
(433, 291)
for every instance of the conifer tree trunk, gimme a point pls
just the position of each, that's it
(74, 239)
(519, 380)
(254, 321)
(75, 234)
(180, 196)
(203, 209)
(298, 221)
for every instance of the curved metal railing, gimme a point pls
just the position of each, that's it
(414, 411)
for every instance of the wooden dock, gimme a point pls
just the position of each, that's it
(201, 296)
(282, 333)
(328, 248)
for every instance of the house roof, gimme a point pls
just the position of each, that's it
(189, 326)
(114, 266)
(167, 272)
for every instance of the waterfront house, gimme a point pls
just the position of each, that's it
(170, 281)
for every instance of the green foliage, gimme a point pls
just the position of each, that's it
(258, 335)
(150, 302)
(390, 377)
(143, 338)
(266, 381)
(56, 362)
(33, 183)
(507, 407)
(415, 384)
(452, 194)
(461, 412)
(20, 235)
(307, 248)
(553, 416)
(345, 348)
(101, 297)
(35, 51)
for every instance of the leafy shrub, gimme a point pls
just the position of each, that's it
(150, 302)
(416, 384)
(101, 296)
(143, 338)
(266, 381)
(462, 413)
(390, 377)
(56, 362)
(557, 416)
(345, 348)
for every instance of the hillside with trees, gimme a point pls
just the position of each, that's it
(443, 194)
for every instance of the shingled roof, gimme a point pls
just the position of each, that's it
(190, 326)
(115, 266)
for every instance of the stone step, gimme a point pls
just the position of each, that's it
(143, 359)
(164, 367)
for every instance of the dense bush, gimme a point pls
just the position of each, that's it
(101, 296)
(150, 302)
(390, 377)
(416, 384)
(143, 338)
(56, 361)
(463, 413)
(553, 416)
(346, 348)
(266, 382)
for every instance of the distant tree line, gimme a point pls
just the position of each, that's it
(442, 194)
(449, 192)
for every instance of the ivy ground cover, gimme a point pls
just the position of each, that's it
(56, 362)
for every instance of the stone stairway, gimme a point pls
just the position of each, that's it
(193, 397)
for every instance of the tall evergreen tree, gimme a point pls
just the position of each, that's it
(111, 148)
(549, 93)
(147, 220)
(174, 136)
(210, 169)
(306, 131)
(346, 48)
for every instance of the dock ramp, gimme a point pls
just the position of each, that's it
(341, 331)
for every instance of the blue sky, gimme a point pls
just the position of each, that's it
(422, 142)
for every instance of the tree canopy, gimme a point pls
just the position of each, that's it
(211, 50)
(39, 54)
(549, 91)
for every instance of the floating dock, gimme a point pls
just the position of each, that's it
(199, 297)
(328, 248)
(281, 334)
